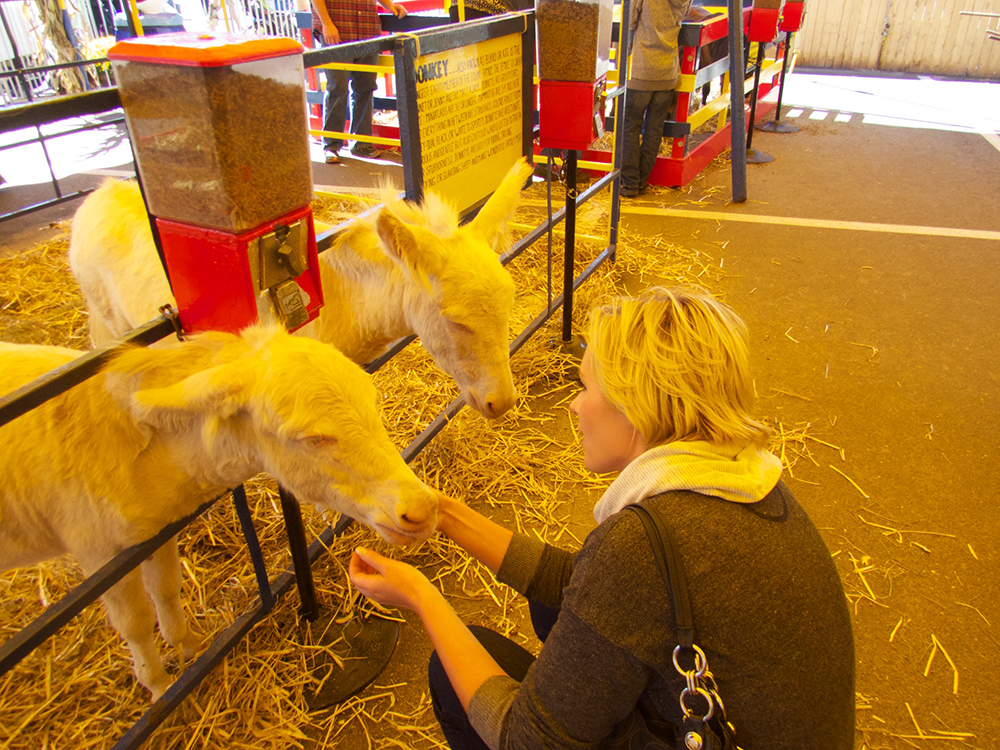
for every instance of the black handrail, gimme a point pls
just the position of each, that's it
(63, 378)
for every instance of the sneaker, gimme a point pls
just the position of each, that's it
(331, 157)
(366, 151)
(627, 192)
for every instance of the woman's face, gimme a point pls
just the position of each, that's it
(610, 442)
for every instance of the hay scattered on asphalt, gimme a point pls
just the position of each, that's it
(78, 689)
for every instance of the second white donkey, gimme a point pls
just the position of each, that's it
(404, 269)
(161, 431)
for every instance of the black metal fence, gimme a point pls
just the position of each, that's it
(33, 394)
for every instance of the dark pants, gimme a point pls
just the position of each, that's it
(470, 13)
(362, 99)
(512, 658)
(645, 113)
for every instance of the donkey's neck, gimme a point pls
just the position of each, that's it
(363, 297)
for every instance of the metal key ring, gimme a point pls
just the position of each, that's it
(704, 694)
(700, 661)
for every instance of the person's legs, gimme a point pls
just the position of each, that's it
(470, 13)
(635, 112)
(363, 86)
(335, 107)
(660, 104)
(455, 725)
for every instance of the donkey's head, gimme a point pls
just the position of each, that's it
(458, 294)
(306, 414)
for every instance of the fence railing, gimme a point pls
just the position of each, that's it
(33, 394)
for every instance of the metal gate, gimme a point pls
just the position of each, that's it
(942, 37)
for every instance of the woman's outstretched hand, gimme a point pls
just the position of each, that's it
(386, 581)
(395, 584)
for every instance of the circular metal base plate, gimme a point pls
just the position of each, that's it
(758, 157)
(775, 126)
(365, 647)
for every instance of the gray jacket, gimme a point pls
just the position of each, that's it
(654, 25)
(769, 611)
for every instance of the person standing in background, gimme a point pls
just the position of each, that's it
(649, 97)
(335, 22)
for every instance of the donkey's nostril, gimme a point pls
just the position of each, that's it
(496, 405)
(413, 517)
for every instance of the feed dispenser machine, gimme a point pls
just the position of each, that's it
(574, 50)
(218, 127)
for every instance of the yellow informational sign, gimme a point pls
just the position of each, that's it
(469, 112)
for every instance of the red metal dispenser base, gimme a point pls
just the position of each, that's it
(226, 282)
(570, 114)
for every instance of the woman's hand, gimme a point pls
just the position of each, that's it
(386, 581)
(396, 584)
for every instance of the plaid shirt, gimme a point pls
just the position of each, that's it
(354, 19)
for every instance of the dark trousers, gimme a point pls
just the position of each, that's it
(512, 658)
(362, 100)
(470, 13)
(645, 113)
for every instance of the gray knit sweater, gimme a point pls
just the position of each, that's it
(769, 612)
(655, 25)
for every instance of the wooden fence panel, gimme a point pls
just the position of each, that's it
(910, 36)
(872, 19)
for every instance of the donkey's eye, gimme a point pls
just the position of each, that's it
(459, 327)
(321, 441)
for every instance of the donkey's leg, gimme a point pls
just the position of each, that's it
(161, 574)
(132, 615)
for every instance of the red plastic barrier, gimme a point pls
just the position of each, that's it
(791, 17)
(763, 24)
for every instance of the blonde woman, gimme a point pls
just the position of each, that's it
(666, 401)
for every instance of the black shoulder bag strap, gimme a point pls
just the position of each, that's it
(699, 732)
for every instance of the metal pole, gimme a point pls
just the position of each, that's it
(300, 554)
(621, 64)
(753, 94)
(737, 76)
(18, 66)
(776, 125)
(253, 547)
(784, 69)
(567, 329)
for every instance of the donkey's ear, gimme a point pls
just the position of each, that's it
(491, 221)
(412, 247)
(215, 393)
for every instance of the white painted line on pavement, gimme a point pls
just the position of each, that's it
(993, 139)
(791, 221)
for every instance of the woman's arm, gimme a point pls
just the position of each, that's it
(397, 584)
(475, 533)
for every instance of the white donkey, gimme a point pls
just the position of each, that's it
(160, 431)
(406, 269)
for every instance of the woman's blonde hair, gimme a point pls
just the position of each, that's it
(676, 363)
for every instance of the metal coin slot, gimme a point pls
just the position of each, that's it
(283, 254)
(288, 302)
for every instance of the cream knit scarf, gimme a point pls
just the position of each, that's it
(739, 475)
